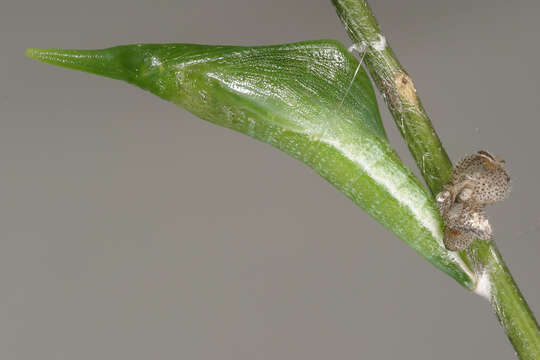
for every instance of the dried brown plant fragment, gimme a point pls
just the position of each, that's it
(476, 181)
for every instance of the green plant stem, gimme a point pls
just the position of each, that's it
(494, 280)
(508, 302)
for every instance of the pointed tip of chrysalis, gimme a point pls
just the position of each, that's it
(31, 53)
(61, 57)
(104, 62)
(49, 56)
(138, 64)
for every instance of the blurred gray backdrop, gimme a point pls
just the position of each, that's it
(129, 229)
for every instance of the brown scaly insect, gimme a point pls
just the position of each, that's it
(477, 180)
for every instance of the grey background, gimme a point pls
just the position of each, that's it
(129, 229)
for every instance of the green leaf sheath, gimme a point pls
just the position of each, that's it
(311, 100)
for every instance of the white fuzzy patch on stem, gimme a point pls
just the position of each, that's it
(483, 285)
(358, 47)
(379, 44)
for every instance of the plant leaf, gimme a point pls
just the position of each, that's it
(311, 100)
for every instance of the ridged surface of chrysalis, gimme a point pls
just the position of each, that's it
(311, 100)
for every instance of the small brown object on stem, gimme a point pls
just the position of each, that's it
(477, 180)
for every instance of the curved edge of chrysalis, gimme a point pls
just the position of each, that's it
(307, 99)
